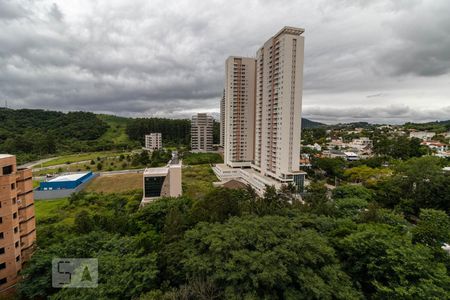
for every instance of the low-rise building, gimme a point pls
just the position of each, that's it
(316, 147)
(66, 182)
(351, 156)
(337, 144)
(162, 182)
(361, 143)
(254, 178)
(435, 145)
(17, 221)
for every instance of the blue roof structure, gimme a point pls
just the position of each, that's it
(66, 182)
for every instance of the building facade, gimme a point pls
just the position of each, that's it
(239, 110)
(222, 119)
(278, 104)
(17, 221)
(153, 141)
(162, 182)
(202, 133)
(263, 100)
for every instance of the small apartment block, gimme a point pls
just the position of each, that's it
(202, 133)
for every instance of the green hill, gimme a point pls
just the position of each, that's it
(310, 124)
(35, 133)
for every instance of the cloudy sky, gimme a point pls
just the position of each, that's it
(387, 61)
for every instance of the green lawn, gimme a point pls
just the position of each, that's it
(117, 183)
(202, 158)
(197, 180)
(49, 208)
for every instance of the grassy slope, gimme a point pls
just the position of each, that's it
(116, 131)
(115, 183)
(71, 158)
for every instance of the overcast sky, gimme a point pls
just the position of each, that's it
(387, 61)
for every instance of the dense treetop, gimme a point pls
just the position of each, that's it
(376, 241)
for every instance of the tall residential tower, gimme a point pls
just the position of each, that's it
(263, 99)
(239, 111)
(278, 104)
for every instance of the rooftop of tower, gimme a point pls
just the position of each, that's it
(290, 30)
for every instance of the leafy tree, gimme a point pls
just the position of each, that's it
(388, 266)
(218, 205)
(318, 200)
(352, 191)
(332, 166)
(265, 258)
(366, 175)
(416, 183)
(350, 207)
(84, 222)
(433, 228)
(174, 132)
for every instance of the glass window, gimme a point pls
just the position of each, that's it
(7, 170)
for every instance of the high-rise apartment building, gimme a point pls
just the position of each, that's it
(239, 110)
(202, 133)
(222, 119)
(263, 99)
(17, 223)
(153, 141)
(278, 104)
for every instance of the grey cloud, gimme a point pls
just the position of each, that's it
(56, 13)
(391, 114)
(420, 42)
(143, 58)
(11, 10)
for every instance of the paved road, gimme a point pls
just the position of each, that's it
(37, 162)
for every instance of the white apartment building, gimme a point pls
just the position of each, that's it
(239, 125)
(202, 133)
(153, 141)
(263, 99)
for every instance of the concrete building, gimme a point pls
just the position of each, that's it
(263, 113)
(17, 222)
(222, 119)
(202, 133)
(239, 116)
(153, 141)
(423, 135)
(162, 182)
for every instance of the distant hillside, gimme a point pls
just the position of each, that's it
(436, 126)
(37, 133)
(310, 124)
